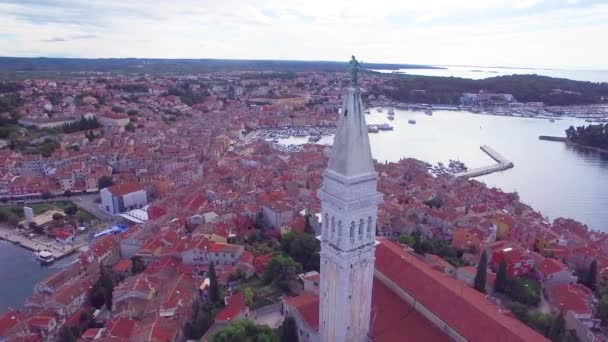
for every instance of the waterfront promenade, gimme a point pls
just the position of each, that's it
(502, 164)
(35, 244)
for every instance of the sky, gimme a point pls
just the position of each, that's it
(517, 33)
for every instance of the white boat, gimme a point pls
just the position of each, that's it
(385, 127)
(411, 121)
(372, 129)
(391, 117)
(391, 112)
(379, 110)
(45, 257)
(428, 112)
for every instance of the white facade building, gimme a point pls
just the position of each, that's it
(119, 198)
(349, 209)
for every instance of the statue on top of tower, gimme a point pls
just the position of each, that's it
(355, 68)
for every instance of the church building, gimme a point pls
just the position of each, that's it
(372, 289)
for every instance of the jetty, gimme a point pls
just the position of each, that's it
(502, 164)
(550, 138)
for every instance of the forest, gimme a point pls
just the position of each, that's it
(525, 88)
(592, 135)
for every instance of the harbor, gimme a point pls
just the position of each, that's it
(33, 244)
(502, 164)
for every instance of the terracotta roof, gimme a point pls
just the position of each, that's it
(550, 266)
(308, 307)
(235, 305)
(123, 265)
(477, 318)
(570, 297)
(123, 189)
(120, 327)
(8, 320)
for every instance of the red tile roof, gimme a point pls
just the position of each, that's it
(308, 307)
(550, 266)
(476, 318)
(120, 327)
(8, 320)
(570, 297)
(235, 305)
(123, 189)
(123, 265)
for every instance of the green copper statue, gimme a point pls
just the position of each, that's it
(355, 67)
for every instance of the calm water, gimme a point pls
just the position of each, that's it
(476, 73)
(552, 177)
(19, 272)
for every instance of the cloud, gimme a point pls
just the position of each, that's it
(481, 32)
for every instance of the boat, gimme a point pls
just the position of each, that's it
(314, 138)
(428, 112)
(45, 257)
(367, 111)
(385, 127)
(391, 112)
(391, 117)
(411, 121)
(379, 110)
(551, 120)
(372, 129)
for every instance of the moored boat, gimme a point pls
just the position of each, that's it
(45, 257)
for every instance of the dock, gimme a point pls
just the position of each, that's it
(502, 164)
(59, 251)
(550, 138)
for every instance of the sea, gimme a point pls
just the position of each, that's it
(476, 72)
(556, 179)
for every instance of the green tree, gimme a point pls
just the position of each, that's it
(417, 243)
(71, 210)
(303, 248)
(105, 181)
(281, 269)
(259, 221)
(557, 329)
(591, 276)
(244, 331)
(603, 309)
(480, 277)
(501, 277)
(138, 264)
(407, 239)
(289, 330)
(214, 289)
(66, 335)
(248, 295)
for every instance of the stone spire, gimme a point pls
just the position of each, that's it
(351, 155)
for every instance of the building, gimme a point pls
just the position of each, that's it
(119, 198)
(552, 272)
(519, 262)
(349, 202)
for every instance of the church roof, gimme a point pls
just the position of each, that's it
(351, 154)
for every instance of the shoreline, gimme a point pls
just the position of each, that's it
(571, 143)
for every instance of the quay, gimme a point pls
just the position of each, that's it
(59, 251)
(550, 138)
(502, 164)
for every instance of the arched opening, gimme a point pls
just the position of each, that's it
(361, 228)
(352, 229)
(333, 227)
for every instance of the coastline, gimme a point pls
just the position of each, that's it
(571, 143)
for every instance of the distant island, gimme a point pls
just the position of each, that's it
(525, 88)
(595, 136)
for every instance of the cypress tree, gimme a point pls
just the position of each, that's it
(501, 277)
(591, 278)
(557, 328)
(480, 277)
(214, 290)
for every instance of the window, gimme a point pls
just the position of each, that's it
(333, 227)
(369, 226)
(352, 229)
(326, 223)
(339, 228)
(360, 228)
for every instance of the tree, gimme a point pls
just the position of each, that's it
(303, 248)
(244, 330)
(407, 239)
(248, 295)
(281, 269)
(603, 309)
(105, 181)
(417, 243)
(66, 335)
(71, 210)
(138, 264)
(289, 330)
(259, 221)
(57, 216)
(501, 277)
(557, 329)
(214, 289)
(480, 277)
(591, 276)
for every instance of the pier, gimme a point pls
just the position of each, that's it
(550, 138)
(502, 164)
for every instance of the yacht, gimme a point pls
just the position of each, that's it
(372, 129)
(390, 117)
(391, 112)
(45, 257)
(428, 112)
(411, 121)
(379, 110)
(385, 127)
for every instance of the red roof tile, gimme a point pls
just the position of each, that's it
(123, 189)
(235, 305)
(8, 320)
(550, 266)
